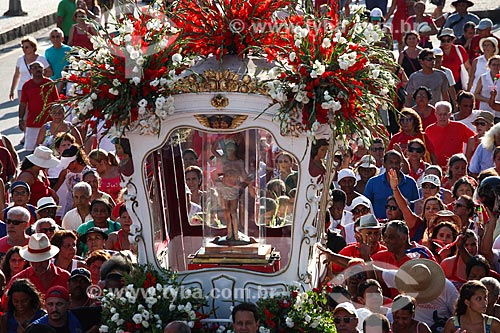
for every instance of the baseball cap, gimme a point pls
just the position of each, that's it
(19, 183)
(58, 292)
(432, 179)
(80, 272)
(484, 24)
(347, 307)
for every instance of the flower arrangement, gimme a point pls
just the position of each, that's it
(149, 301)
(295, 311)
(223, 27)
(325, 72)
(126, 83)
(331, 74)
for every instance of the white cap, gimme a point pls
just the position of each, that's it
(345, 173)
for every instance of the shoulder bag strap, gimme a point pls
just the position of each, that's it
(459, 54)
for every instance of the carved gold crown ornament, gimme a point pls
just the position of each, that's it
(223, 81)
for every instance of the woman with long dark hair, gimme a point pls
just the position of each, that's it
(470, 311)
(12, 263)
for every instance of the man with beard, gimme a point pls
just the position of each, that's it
(79, 281)
(58, 315)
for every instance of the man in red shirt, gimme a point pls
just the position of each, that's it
(399, 248)
(447, 136)
(37, 94)
(42, 273)
(368, 233)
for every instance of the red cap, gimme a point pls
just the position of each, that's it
(58, 292)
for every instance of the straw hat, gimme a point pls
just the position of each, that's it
(42, 157)
(421, 278)
(38, 249)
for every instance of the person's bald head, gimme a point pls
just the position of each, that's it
(177, 327)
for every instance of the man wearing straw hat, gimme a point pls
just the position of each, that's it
(42, 273)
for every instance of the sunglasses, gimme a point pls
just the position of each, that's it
(346, 320)
(25, 47)
(480, 123)
(416, 150)
(446, 40)
(429, 186)
(430, 59)
(393, 208)
(15, 222)
(45, 230)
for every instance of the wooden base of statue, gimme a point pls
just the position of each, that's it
(226, 252)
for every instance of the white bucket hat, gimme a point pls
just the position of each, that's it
(42, 157)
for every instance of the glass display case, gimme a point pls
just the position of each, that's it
(231, 201)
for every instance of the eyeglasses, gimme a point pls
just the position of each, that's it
(429, 186)
(15, 222)
(378, 149)
(360, 210)
(480, 123)
(430, 59)
(346, 320)
(406, 120)
(416, 150)
(45, 230)
(393, 208)
(446, 40)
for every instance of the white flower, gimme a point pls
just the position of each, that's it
(93, 96)
(375, 73)
(172, 307)
(136, 80)
(298, 42)
(313, 74)
(115, 317)
(176, 59)
(142, 103)
(127, 38)
(292, 56)
(116, 82)
(315, 323)
(326, 43)
(145, 324)
(137, 318)
(274, 72)
(113, 91)
(289, 322)
(307, 318)
(154, 83)
(139, 61)
(319, 67)
(103, 329)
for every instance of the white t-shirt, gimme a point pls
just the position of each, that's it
(72, 220)
(24, 69)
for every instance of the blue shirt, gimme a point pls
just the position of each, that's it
(378, 189)
(457, 22)
(73, 324)
(57, 59)
(481, 160)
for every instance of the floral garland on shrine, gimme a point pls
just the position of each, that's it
(150, 300)
(325, 72)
